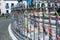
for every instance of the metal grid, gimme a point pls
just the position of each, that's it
(34, 26)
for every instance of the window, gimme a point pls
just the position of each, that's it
(19, 0)
(6, 3)
(7, 11)
(7, 6)
(12, 4)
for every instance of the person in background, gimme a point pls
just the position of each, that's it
(7, 14)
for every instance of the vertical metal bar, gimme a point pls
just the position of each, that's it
(43, 23)
(56, 27)
(27, 23)
(24, 23)
(34, 26)
(27, 17)
(38, 10)
(38, 26)
(56, 21)
(28, 1)
(50, 31)
(50, 37)
(30, 26)
(43, 29)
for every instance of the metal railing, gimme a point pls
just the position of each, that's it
(31, 25)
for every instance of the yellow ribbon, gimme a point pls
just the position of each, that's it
(57, 13)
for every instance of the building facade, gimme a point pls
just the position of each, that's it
(8, 5)
(5, 6)
(0, 5)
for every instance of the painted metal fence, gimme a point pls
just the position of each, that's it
(35, 24)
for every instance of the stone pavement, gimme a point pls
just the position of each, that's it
(4, 34)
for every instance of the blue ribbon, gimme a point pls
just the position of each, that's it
(29, 2)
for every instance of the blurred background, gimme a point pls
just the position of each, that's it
(5, 15)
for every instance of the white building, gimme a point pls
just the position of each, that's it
(5, 6)
(10, 4)
(0, 5)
